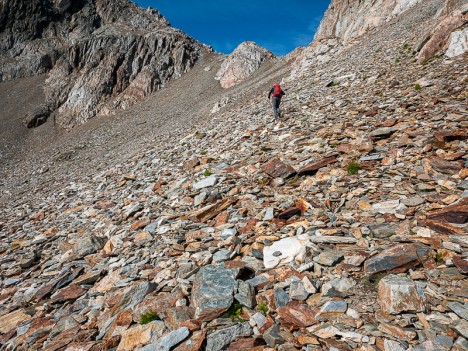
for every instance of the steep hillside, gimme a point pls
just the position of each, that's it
(174, 225)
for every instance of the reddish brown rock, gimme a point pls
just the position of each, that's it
(194, 343)
(298, 313)
(290, 212)
(461, 263)
(69, 293)
(244, 342)
(208, 212)
(278, 169)
(444, 166)
(312, 168)
(441, 138)
(158, 304)
(11, 320)
(456, 214)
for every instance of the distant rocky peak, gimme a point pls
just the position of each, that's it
(242, 63)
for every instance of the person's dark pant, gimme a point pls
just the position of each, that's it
(276, 101)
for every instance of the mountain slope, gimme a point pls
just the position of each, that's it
(341, 228)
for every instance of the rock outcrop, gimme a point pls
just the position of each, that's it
(348, 19)
(242, 63)
(449, 35)
(102, 55)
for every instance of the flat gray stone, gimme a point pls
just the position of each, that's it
(297, 291)
(329, 258)
(413, 201)
(168, 341)
(220, 339)
(87, 246)
(205, 183)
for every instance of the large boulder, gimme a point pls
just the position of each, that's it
(213, 291)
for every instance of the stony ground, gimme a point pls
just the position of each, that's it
(344, 227)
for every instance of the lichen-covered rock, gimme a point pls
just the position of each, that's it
(213, 291)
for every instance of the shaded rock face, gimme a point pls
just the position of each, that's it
(242, 63)
(101, 54)
(347, 19)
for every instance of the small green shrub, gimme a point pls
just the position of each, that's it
(207, 173)
(149, 317)
(406, 47)
(235, 311)
(439, 259)
(417, 87)
(262, 308)
(353, 168)
(203, 153)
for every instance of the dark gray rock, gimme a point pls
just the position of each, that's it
(246, 295)
(88, 246)
(213, 291)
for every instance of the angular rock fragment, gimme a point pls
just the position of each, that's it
(298, 313)
(312, 168)
(284, 251)
(399, 294)
(397, 259)
(213, 291)
(446, 167)
(278, 169)
(209, 212)
(218, 340)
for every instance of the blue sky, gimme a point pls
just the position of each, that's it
(277, 26)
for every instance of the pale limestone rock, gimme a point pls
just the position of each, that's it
(284, 251)
(242, 63)
(458, 43)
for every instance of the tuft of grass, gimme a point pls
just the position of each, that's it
(430, 59)
(207, 173)
(418, 87)
(333, 84)
(334, 145)
(235, 311)
(262, 308)
(439, 259)
(397, 60)
(406, 47)
(353, 168)
(203, 153)
(149, 317)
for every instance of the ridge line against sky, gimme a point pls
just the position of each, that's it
(279, 28)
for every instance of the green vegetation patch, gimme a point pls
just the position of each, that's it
(418, 87)
(207, 173)
(149, 317)
(262, 308)
(353, 168)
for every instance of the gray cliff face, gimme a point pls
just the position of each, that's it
(100, 54)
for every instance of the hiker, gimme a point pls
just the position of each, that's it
(276, 93)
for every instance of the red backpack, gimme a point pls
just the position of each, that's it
(277, 90)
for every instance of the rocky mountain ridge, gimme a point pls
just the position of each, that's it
(343, 227)
(100, 55)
